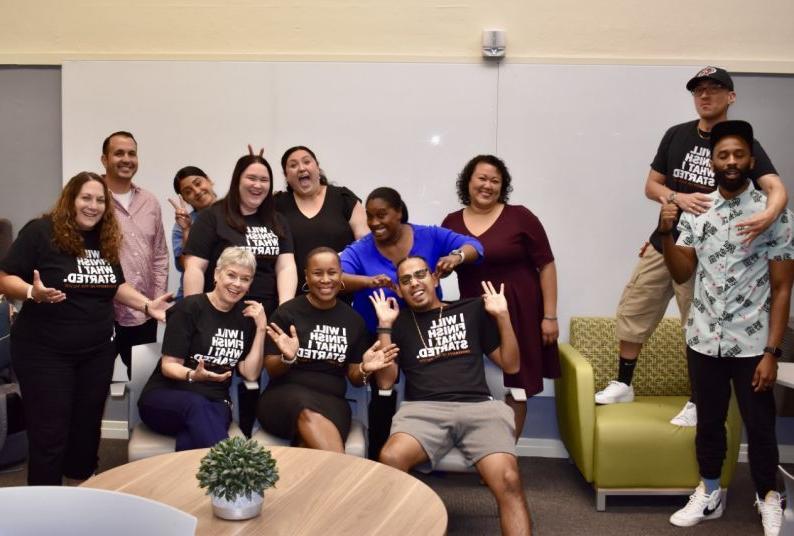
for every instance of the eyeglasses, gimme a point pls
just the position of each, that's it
(419, 274)
(708, 90)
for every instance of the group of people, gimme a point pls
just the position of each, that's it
(320, 289)
(293, 283)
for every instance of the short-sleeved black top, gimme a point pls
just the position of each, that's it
(210, 235)
(85, 318)
(197, 330)
(441, 351)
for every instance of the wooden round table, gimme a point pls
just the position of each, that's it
(318, 492)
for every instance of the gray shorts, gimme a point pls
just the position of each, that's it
(477, 429)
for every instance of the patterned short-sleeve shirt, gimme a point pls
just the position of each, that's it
(730, 309)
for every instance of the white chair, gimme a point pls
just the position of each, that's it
(144, 442)
(787, 528)
(356, 444)
(68, 511)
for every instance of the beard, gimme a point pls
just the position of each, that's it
(732, 184)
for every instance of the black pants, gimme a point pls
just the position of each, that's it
(63, 396)
(713, 377)
(381, 412)
(129, 336)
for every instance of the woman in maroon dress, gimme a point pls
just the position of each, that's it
(517, 253)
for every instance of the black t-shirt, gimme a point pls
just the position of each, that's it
(684, 158)
(210, 235)
(441, 351)
(330, 227)
(85, 318)
(330, 339)
(197, 330)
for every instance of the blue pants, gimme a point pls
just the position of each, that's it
(193, 419)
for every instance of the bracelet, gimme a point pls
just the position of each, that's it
(29, 294)
(146, 308)
(189, 376)
(550, 318)
(364, 375)
(289, 361)
(385, 331)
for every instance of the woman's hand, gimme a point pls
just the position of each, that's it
(288, 344)
(255, 310)
(376, 358)
(549, 331)
(380, 281)
(200, 374)
(386, 309)
(181, 214)
(42, 294)
(158, 306)
(447, 264)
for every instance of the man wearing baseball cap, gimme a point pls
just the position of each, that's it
(681, 174)
(739, 313)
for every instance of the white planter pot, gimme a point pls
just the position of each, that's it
(240, 508)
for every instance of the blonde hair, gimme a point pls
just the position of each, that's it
(236, 255)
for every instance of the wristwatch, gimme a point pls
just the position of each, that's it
(774, 350)
(459, 252)
(671, 197)
(189, 376)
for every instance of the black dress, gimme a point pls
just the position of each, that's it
(330, 340)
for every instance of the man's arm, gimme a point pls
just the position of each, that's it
(656, 190)
(776, 199)
(781, 276)
(681, 261)
(159, 258)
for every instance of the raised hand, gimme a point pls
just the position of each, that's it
(756, 224)
(201, 374)
(376, 358)
(288, 344)
(667, 216)
(181, 213)
(42, 294)
(255, 310)
(495, 302)
(158, 306)
(386, 309)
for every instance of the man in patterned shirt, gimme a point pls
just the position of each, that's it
(739, 311)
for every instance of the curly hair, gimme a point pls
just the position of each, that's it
(66, 235)
(468, 170)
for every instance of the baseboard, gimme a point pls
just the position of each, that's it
(541, 448)
(786, 453)
(115, 430)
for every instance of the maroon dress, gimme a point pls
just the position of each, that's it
(516, 247)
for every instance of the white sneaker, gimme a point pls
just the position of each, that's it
(687, 416)
(771, 513)
(615, 392)
(700, 506)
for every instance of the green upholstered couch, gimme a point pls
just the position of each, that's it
(631, 448)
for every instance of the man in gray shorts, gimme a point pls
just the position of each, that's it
(681, 174)
(448, 403)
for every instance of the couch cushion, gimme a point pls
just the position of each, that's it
(661, 369)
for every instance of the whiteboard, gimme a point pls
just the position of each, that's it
(578, 139)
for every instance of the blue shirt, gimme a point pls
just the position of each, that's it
(176, 242)
(363, 258)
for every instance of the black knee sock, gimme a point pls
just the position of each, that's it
(626, 370)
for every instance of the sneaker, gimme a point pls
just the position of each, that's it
(687, 416)
(701, 506)
(615, 392)
(771, 512)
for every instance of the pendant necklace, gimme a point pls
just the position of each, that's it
(419, 331)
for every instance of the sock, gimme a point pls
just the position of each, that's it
(626, 370)
(712, 484)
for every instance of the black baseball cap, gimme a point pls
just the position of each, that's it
(742, 129)
(720, 76)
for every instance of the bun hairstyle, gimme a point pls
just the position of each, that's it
(286, 155)
(187, 171)
(392, 198)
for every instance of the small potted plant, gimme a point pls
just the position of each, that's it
(236, 472)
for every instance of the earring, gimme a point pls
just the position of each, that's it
(305, 287)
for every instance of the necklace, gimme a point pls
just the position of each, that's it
(419, 331)
(704, 134)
